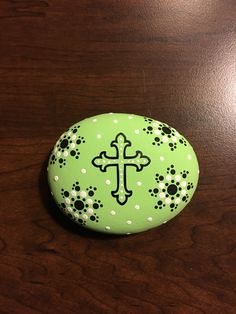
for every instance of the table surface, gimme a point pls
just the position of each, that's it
(64, 60)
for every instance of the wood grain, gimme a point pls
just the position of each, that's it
(64, 60)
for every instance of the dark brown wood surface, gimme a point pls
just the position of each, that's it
(64, 60)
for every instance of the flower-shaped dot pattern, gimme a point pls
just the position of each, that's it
(80, 205)
(172, 188)
(67, 145)
(162, 134)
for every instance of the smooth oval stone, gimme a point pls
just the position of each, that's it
(122, 173)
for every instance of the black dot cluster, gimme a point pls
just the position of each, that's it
(172, 146)
(149, 120)
(157, 141)
(64, 144)
(148, 130)
(91, 190)
(183, 141)
(154, 192)
(171, 170)
(79, 204)
(97, 204)
(184, 174)
(170, 189)
(75, 153)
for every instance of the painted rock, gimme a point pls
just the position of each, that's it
(122, 173)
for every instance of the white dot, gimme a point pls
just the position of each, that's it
(183, 192)
(189, 157)
(137, 207)
(177, 177)
(155, 124)
(165, 139)
(139, 183)
(76, 215)
(167, 200)
(94, 120)
(149, 219)
(56, 178)
(174, 139)
(99, 136)
(58, 154)
(85, 216)
(72, 145)
(111, 113)
(89, 201)
(73, 193)
(183, 184)
(162, 158)
(112, 212)
(161, 185)
(162, 195)
(136, 131)
(83, 193)
(115, 121)
(89, 210)
(128, 233)
(83, 170)
(69, 133)
(67, 200)
(52, 193)
(168, 177)
(107, 227)
(73, 137)
(69, 209)
(177, 200)
(157, 132)
(65, 153)
(164, 222)
(129, 222)
(130, 117)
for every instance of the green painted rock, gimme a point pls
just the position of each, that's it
(122, 173)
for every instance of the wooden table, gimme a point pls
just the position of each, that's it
(64, 60)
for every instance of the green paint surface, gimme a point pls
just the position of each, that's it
(122, 173)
